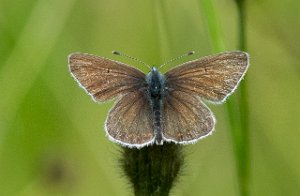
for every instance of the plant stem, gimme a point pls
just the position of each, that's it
(152, 170)
(244, 152)
(237, 105)
(209, 14)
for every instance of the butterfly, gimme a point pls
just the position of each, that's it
(155, 107)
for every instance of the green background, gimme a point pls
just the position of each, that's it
(52, 140)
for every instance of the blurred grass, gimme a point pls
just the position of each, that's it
(243, 143)
(237, 104)
(51, 134)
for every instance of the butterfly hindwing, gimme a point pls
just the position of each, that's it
(130, 121)
(185, 118)
(212, 78)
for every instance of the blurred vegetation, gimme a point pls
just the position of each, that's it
(52, 140)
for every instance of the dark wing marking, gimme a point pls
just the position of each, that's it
(104, 79)
(185, 118)
(213, 78)
(130, 121)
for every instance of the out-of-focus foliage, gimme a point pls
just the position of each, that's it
(52, 140)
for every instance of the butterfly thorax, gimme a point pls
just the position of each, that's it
(155, 82)
(156, 85)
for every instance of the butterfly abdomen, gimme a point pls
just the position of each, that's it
(157, 122)
(155, 82)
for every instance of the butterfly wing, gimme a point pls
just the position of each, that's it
(104, 79)
(185, 118)
(130, 121)
(212, 78)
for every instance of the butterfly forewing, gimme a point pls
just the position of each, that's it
(212, 78)
(130, 121)
(185, 118)
(104, 79)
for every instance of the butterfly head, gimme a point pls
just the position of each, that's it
(154, 69)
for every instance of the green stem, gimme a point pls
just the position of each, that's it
(242, 23)
(217, 45)
(214, 31)
(237, 105)
(244, 152)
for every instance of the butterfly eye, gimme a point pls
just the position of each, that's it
(166, 88)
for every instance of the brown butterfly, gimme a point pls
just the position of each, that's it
(160, 107)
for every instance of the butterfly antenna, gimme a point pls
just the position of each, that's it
(177, 58)
(130, 57)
